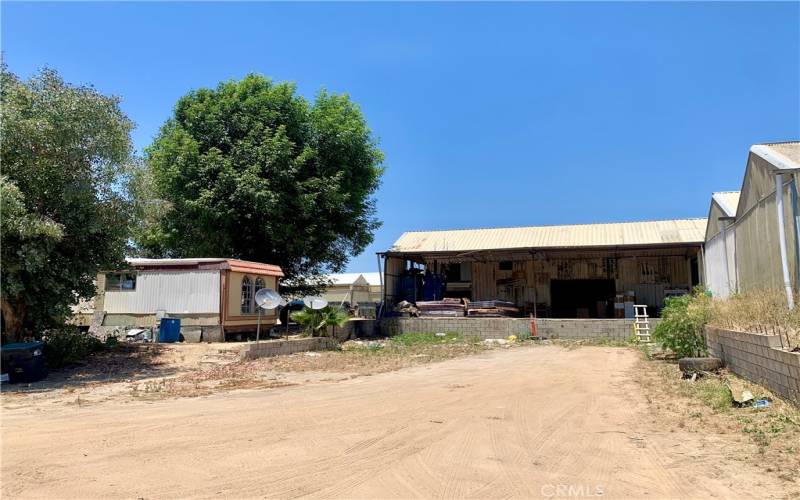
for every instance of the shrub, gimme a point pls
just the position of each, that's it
(682, 324)
(316, 321)
(70, 346)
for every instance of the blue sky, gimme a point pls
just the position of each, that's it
(489, 114)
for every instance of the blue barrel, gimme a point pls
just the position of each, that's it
(169, 330)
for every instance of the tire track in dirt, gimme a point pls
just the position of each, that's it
(498, 425)
(513, 478)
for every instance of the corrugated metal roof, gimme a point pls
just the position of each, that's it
(374, 279)
(728, 201)
(682, 231)
(350, 278)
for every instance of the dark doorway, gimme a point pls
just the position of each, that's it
(582, 298)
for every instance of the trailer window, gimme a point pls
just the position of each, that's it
(119, 282)
(247, 296)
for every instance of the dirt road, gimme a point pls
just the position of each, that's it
(527, 422)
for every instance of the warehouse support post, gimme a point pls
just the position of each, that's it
(787, 282)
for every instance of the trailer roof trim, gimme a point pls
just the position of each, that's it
(206, 263)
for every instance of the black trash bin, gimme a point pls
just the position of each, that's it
(23, 361)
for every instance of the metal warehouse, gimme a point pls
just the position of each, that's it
(570, 271)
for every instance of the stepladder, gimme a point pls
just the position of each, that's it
(641, 323)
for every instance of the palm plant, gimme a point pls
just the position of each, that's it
(316, 321)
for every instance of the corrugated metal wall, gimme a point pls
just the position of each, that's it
(393, 268)
(177, 292)
(648, 273)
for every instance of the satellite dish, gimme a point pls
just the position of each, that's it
(315, 302)
(267, 298)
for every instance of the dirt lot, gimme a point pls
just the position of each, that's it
(159, 371)
(524, 422)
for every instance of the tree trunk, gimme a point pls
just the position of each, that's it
(13, 314)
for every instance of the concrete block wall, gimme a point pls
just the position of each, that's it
(758, 358)
(269, 348)
(486, 328)
(495, 328)
(614, 329)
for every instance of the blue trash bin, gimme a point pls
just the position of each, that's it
(169, 330)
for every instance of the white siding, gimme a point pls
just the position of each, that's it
(720, 283)
(176, 292)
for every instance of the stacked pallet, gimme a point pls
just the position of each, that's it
(441, 308)
(492, 309)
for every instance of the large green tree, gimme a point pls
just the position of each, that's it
(65, 151)
(254, 171)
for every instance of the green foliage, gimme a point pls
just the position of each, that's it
(714, 393)
(316, 321)
(682, 324)
(413, 339)
(271, 176)
(64, 153)
(68, 346)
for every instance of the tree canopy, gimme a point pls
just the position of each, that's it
(252, 170)
(64, 154)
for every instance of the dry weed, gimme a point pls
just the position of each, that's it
(761, 311)
(265, 372)
(768, 438)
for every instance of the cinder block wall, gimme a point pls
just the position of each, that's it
(281, 347)
(758, 358)
(615, 329)
(496, 328)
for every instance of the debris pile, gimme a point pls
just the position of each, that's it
(438, 308)
(492, 309)
(356, 345)
(406, 308)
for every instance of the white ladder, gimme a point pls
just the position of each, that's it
(641, 323)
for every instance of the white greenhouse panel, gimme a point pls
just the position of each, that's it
(721, 282)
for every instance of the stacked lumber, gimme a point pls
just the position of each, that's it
(445, 307)
(492, 309)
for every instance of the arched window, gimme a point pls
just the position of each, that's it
(247, 296)
(259, 286)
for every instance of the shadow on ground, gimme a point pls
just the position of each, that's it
(126, 362)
